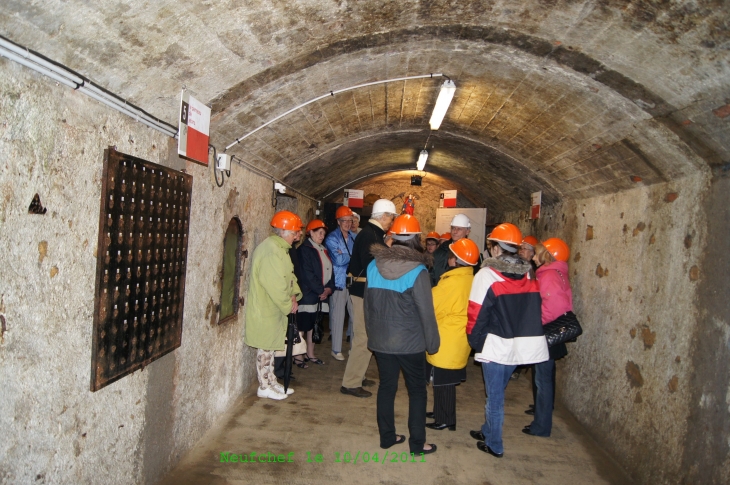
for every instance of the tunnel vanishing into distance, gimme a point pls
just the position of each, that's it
(616, 110)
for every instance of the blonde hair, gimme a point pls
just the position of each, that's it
(542, 255)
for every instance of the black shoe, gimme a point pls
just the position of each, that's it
(356, 391)
(330, 338)
(532, 406)
(427, 452)
(430, 415)
(367, 383)
(348, 340)
(526, 430)
(440, 426)
(530, 411)
(486, 449)
(399, 438)
(477, 435)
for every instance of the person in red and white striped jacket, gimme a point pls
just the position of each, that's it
(504, 326)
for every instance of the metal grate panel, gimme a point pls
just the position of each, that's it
(140, 267)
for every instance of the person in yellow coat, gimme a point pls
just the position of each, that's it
(447, 367)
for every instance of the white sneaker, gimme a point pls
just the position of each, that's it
(338, 355)
(280, 389)
(271, 393)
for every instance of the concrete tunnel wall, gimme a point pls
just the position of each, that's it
(53, 429)
(664, 418)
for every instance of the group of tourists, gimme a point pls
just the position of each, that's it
(420, 311)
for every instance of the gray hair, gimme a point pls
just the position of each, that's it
(379, 215)
(282, 233)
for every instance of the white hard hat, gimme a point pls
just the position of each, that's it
(384, 205)
(460, 220)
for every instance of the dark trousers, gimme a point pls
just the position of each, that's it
(544, 379)
(534, 384)
(414, 369)
(444, 404)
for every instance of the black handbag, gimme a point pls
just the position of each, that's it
(317, 330)
(563, 329)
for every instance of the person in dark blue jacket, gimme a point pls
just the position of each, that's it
(401, 328)
(317, 284)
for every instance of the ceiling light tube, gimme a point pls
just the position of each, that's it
(421, 164)
(448, 88)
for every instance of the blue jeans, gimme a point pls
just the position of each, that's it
(496, 377)
(543, 422)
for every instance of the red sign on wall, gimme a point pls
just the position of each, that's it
(448, 198)
(353, 198)
(536, 200)
(194, 129)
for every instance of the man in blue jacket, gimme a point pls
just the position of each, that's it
(340, 244)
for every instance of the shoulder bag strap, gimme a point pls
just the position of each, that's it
(344, 241)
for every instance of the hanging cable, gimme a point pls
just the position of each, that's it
(215, 168)
(332, 93)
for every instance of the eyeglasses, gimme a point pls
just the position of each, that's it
(344, 221)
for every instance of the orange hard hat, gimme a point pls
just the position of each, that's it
(445, 236)
(531, 240)
(286, 220)
(405, 224)
(343, 211)
(506, 233)
(433, 235)
(314, 224)
(466, 250)
(558, 248)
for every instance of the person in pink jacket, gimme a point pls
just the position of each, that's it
(551, 258)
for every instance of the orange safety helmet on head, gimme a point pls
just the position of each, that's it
(432, 235)
(531, 240)
(314, 224)
(466, 250)
(445, 236)
(558, 248)
(286, 220)
(506, 233)
(343, 211)
(405, 225)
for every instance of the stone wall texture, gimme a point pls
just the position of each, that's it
(637, 262)
(52, 141)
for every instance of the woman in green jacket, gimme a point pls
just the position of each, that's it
(272, 295)
(447, 367)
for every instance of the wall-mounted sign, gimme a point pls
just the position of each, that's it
(194, 129)
(448, 198)
(353, 198)
(536, 199)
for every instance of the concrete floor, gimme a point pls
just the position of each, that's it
(318, 419)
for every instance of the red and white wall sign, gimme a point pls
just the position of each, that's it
(353, 198)
(536, 198)
(194, 129)
(448, 198)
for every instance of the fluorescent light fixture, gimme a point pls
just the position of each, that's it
(448, 88)
(421, 163)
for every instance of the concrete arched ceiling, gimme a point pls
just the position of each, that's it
(570, 97)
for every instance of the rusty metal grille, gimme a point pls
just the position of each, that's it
(140, 266)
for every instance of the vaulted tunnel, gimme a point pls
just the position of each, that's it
(616, 110)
